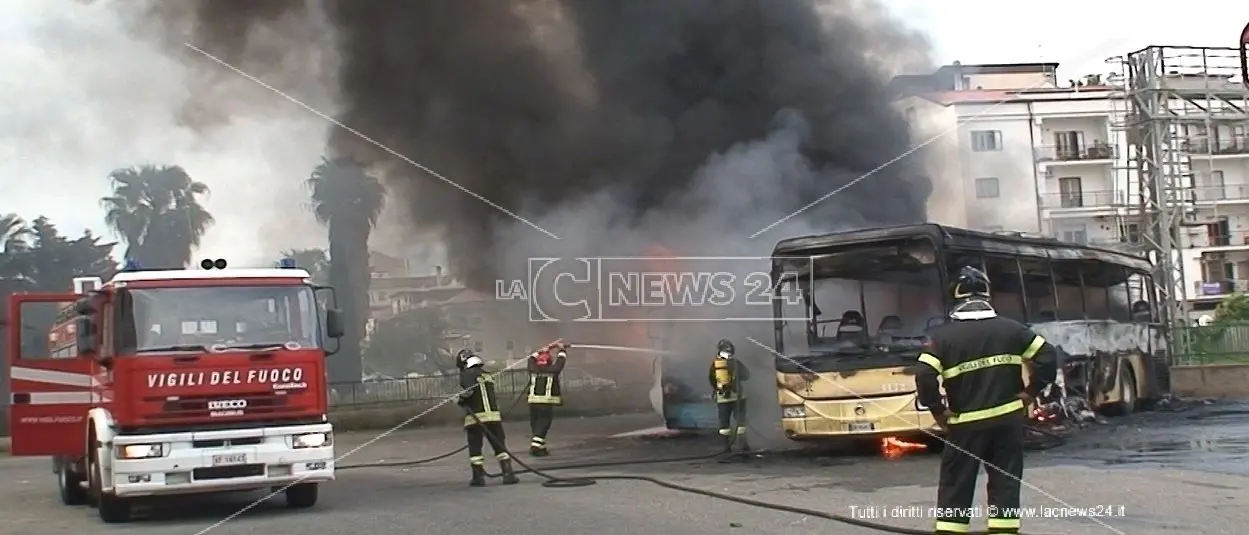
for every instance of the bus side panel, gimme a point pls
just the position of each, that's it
(1104, 346)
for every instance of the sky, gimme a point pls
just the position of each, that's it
(82, 98)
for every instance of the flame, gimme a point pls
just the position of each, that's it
(894, 447)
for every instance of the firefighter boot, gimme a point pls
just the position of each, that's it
(509, 475)
(479, 476)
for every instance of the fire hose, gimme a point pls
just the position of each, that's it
(554, 481)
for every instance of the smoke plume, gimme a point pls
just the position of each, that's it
(616, 123)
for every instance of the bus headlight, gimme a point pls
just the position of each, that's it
(312, 440)
(140, 451)
(794, 411)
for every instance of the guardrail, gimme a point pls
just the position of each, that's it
(1213, 344)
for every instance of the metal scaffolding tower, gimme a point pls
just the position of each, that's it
(1181, 105)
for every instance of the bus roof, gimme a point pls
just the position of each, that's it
(209, 274)
(965, 240)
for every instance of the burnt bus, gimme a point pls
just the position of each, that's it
(681, 394)
(869, 297)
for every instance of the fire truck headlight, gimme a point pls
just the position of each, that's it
(797, 411)
(140, 451)
(312, 440)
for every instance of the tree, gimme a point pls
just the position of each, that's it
(156, 211)
(36, 257)
(54, 261)
(412, 341)
(315, 260)
(348, 200)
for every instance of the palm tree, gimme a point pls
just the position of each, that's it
(348, 200)
(14, 243)
(156, 211)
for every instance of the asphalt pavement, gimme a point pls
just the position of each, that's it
(1157, 473)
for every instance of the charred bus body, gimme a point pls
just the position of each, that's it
(870, 297)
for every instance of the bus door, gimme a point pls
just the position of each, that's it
(51, 387)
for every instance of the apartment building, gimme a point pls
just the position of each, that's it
(1013, 151)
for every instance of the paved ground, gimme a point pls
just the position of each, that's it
(1152, 474)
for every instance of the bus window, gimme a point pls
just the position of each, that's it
(1120, 296)
(1100, 298)
(1038, 286)
(1142, 310)
(1007, 293)
(1068, 290)
(857, 288)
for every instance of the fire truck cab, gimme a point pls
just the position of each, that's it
(161, 382)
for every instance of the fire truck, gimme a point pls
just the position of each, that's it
(166, 382)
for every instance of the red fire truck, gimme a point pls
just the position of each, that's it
(178, 382)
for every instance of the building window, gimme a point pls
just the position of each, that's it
(1069, 145)
(1131, 233)
(987, 188)
(986, 140)
(1074, 234)
(1071, 189)
(511, 345)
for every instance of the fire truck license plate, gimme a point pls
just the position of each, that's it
(861, 426)
(226, 460)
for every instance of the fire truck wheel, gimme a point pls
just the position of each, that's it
(70, 485)
(301, 496)
(113, 510)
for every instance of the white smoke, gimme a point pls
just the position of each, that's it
(89, 88)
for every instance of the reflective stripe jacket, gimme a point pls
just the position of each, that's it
(981, 361)
(727, 377)
(479, 396)
(544, 387)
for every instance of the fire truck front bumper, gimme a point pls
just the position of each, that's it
(216, 461)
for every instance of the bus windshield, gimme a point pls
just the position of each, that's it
(865, 299)
(218, 318)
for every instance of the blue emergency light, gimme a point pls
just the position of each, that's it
(287, 263)
(131, 265)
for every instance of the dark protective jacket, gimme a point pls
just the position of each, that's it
(980, 357)
(478, 396)
(544, 387)
(727, 377)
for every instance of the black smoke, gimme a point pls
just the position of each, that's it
(614, 107)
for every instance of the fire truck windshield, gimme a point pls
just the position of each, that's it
(218, 318)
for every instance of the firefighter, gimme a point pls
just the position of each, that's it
(544, 393)
(483, 421)
(980, 356)
(727, 376)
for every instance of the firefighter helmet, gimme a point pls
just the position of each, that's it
(971, 283)
(725, 348)
(466, 359)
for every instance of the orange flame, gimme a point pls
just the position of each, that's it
(894, 447)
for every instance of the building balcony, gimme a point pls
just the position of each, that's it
(1238, 239)
(1118, 242)
(1098, 152)
(1219, 288)
(1084, 200)
(1227, 192)
(1235, 146)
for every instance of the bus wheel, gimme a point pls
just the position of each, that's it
(1128, 395)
